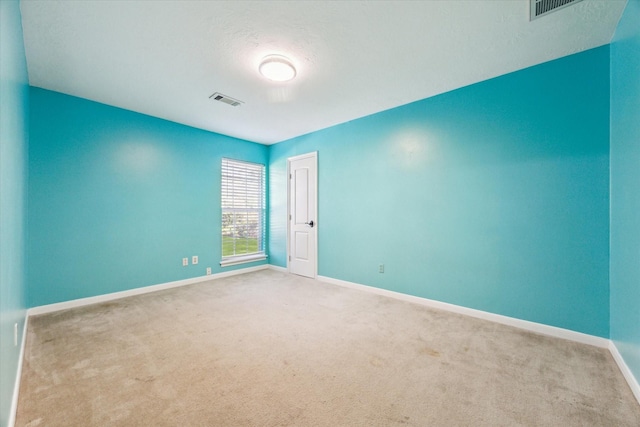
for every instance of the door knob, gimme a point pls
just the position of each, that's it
(310, 223)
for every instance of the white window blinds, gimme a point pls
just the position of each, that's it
(243, 208)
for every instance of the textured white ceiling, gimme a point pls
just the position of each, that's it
(354, 58)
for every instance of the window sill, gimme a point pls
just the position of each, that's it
(243, 259)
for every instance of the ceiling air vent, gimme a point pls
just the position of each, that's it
(543, 7)
(226, 99)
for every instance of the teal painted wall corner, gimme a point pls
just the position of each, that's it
(14, 106)
(625, 187)
(493, 196)
(117, 198)
(518, 195)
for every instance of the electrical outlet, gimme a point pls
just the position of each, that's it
(381, 268)
(15, 334)
(185, 262)
(194, 259)
(208, 271)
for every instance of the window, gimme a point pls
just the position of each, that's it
(243, 212)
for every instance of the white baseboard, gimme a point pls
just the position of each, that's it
(628, 375)
(16, 387)
(539, 328)
(137, 291)
(277, 268)
(103, 298)
(505, 320)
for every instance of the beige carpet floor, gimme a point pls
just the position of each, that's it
(271, 349)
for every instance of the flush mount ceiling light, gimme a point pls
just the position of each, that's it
(277, 68)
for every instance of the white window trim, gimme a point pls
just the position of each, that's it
(256, 256)
(243, 259)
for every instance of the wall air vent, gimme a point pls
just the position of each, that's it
(544, 7)
(226, 99)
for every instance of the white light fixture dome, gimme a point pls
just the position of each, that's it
(277, 68)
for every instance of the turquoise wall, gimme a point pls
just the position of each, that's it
(14, 107)
(117, 198)
(493, 196)
(625, 187)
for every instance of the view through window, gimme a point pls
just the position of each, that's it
(243, 208)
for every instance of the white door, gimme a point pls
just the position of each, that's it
(303, 218)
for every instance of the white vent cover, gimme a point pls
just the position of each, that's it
(226, 99)
(543, 7)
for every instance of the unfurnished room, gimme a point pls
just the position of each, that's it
(320, 213)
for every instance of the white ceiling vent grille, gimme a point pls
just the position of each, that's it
(226, 99)
(543, 7)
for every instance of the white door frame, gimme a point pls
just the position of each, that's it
(313, 154)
